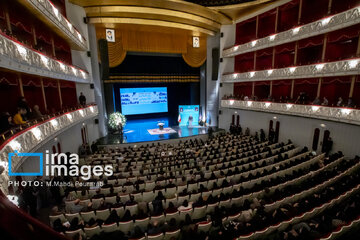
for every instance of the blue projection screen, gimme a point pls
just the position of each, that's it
(143, 100)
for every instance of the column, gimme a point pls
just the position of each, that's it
(43, 93)
(59, 91)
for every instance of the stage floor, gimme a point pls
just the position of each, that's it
(137, 131)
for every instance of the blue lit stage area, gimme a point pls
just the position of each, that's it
(150, 89)
(137, 130)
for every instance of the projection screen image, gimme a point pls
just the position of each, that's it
(143, 100)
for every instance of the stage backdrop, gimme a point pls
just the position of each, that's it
(188, 115)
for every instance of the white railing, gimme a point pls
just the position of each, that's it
(47, 9)
(28, 140)
(338, 68)
(18, 57)
(345, 115)
(328, 24)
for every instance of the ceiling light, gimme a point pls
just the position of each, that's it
(353, 63)
(252, 74)
(36, 132)
(325, 21)
(231, 102)
(253, 43)
(69, 116)
(292, 69)
(322, 125)
(315, 108)
(296, 30)
(272, 37)
(346, 111)
(289, 105)
(15, 145)
(270, 72)
(54, 123)
(319, 66)
(249, 103)
(267, 104)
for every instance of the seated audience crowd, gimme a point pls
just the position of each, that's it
(219, 188)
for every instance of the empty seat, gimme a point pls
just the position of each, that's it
(204, 226)
(102, 214)
(199, 212)
(158, 236)
(142, 223)
(71, 234)
(109, 227)
(125, 227)
(160, 219)
(111, 200)
(92, 231)
(173, 234)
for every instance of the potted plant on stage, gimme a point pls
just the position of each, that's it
(117, 122)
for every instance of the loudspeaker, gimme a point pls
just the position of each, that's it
(220, 84)
(96, 121)
(91, 86)
(221, 59)
(104, 57)
(86, 20)
(221, 34)
(220, 112)
(215, 64)
(88, 53)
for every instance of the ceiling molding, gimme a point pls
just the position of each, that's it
(164, 13)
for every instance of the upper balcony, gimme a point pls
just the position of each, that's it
(325, 25)
(345, 115)
(338, 68)
(19, 57)
(50, 15)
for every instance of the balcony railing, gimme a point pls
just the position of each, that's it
(52, 14)
(31, 137)
(345, 115)
(19, 57)
(325, 25)
(338, 68)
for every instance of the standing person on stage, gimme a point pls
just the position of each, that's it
(82, 99)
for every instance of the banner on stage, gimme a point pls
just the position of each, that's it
(188, 115)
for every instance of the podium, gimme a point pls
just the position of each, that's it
(161, 126)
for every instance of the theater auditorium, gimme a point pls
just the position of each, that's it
(179, 119)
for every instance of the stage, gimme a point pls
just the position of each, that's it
(146, 130)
